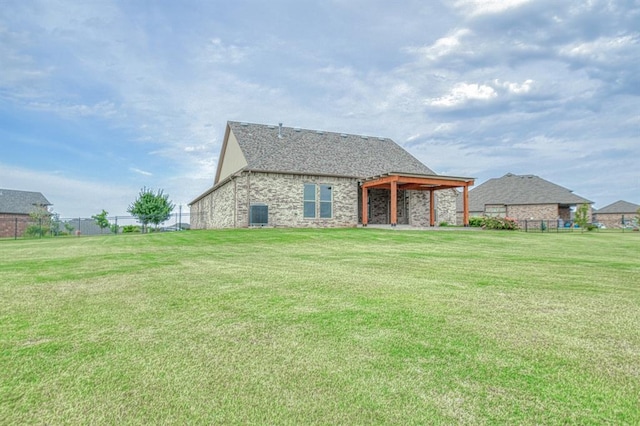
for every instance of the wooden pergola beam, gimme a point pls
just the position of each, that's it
(395, 181)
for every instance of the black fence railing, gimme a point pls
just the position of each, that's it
(559, 226)
(25, 226)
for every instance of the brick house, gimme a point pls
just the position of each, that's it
(15, 207)
(292, 177)
(617, 215)
(523, 197)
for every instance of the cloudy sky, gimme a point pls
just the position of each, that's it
(100, 98)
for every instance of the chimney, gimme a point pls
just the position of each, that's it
(280, 130)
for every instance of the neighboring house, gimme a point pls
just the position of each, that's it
(15, 208)
(617, 215)
(523, 197)
(283, 176)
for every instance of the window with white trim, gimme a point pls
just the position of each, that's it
(318, 196)
(309, 200)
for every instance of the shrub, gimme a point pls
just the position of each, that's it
(443, 224)
(130, 228)
(476, 221)
(500, 223)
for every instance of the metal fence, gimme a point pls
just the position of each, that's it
(24, 226)
(559, 226)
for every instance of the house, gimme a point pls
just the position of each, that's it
(617, 215)
(293, 177)
(15, 208)
(523, 197)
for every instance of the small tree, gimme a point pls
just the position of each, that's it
(151, 207)
(582, 216)
(68, 227)
(41, 217)
(101, 220)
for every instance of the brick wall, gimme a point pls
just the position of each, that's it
(283, 194)
(12, 225)
(614, 220)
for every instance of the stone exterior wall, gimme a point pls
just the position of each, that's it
(205, 216)
(446, 206)
(12, 225)
(228, 206)
(284, 196)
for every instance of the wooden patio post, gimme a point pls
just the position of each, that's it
(432, 219)
(365, 205)
(394, 202)
(465, 202)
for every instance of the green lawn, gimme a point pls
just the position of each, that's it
(336, 326)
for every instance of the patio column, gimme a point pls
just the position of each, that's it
(465, 202)
(394, 202)
(432, 219)
(365, 205)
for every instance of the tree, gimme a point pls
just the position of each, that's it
(41, 218)
(101, 219)
(582, 216)
(151, 207)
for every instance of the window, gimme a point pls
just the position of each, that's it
(309, 200)
(326, 201)
(318, 193)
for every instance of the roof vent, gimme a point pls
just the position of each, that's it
(297, 129)
(380, 139)
(271, 126)
(280, 130)
(365, 137)
(344, 135)
(244, 124)
(320, 132)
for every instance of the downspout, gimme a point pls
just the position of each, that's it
(248, 197)
(235, 201)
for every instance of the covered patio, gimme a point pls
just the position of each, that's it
(409, 182)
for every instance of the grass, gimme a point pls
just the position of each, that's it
(337, 326)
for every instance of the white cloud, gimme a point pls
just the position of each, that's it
(442, 46)
(603, 49)
(481, 7)
(70, 197)
(140, 172)
(461, 93)
(216, 51)
(515, 88)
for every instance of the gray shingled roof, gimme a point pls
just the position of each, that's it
(20, 202)
(513, 189)
(320, 152)
(620, 207)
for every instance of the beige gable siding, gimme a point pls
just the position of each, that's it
(232, 158)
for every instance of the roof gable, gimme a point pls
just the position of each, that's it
(302, 151)
(513, 189)
(20, 202)
(620, 207)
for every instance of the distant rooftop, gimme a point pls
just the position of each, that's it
(620, 207)
(20, 202)
(512, 189)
